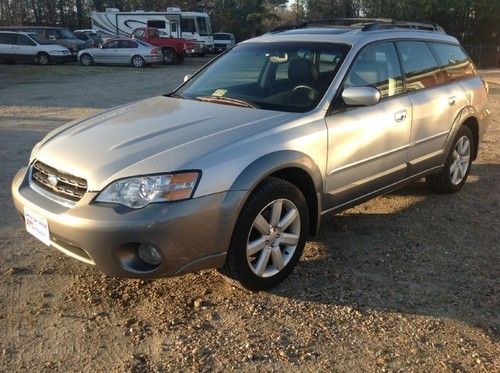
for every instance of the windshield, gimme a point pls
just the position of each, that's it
(275, 76)
(203, 26)
(39, 39)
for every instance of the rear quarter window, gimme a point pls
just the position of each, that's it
(420, 67)
(453, 60)
(6, 38)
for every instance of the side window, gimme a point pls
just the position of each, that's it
(377, 66)
(138, 34)
(6, 38)
(24, 40)
(419, 65)
(187, 25)
(127, 44)
(156, 23)
(111, 44)
(454, 60)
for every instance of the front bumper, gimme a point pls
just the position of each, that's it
(58, 58)
(191, 235)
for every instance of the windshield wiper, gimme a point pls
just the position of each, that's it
(227, 101)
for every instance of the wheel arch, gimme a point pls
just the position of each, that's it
(292, 166)
(468, 116)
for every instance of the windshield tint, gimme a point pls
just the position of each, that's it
(273, 76)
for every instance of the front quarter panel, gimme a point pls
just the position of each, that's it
(302, 143)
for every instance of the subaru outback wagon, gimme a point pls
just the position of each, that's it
(236, 167)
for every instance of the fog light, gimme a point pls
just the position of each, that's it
(149, 254)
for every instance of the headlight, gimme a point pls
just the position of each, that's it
(56, 52)
(138, 192)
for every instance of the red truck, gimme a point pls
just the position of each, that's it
(173, 49)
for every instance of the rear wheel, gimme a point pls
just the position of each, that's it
(138, 61)
(86, 59)
(43, 58)
(169, 57)
(269, 236)
(457, 167)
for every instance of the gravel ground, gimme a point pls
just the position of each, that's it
(406, 282)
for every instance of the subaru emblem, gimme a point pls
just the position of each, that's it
(52, 179)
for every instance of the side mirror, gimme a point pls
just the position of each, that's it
(361, 96)
(187, 77)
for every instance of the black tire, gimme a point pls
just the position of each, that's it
(138, 61)
(169, 57)
(86, 59)
(43, 58)
(443, 181)
(237, 267)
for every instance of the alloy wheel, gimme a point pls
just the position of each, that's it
(273, 238)
(460, 160)
(137, 61)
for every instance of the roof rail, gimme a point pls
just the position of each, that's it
(366, 24)
(392, 24)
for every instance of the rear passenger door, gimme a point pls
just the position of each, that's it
(368, 145)
(435, 104)
(127, 48)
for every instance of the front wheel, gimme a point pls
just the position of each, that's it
(86, 59)
(43, 58)
(457, 167)
(138, 61)
(269, 236)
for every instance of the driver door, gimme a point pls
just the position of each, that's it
(368, 145)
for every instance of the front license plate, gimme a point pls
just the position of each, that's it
(37, 225)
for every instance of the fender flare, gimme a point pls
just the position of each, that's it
(266, 165)
(467, 112)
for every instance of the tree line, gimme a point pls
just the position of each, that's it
(472, 21)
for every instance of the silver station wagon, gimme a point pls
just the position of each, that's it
(236, 167)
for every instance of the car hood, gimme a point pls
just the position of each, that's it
(160, 134)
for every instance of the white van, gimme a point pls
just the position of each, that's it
(31, 47)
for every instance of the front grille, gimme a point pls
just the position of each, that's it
(59, 183)
(220, 45)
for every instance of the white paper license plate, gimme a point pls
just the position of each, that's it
(37, 225)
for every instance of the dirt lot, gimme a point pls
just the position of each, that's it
(406, 282)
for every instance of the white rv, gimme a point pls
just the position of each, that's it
(172, 23)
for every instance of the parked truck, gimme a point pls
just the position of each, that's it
(173, 49)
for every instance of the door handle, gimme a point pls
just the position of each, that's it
(400, 115)
(452, 100)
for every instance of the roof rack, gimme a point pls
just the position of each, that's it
(366, 24)
(393, 24)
